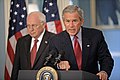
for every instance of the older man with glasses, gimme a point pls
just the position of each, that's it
(32, 49)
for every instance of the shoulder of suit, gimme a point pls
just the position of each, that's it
(50, 33)
(91, 32)
(91, 29)
(62, 33)
(58, 36)
(24, 37)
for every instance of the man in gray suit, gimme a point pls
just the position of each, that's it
(36, 30)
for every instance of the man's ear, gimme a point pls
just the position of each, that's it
(82, 22)
(43, 23)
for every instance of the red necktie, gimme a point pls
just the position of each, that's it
(33, 52)
(78, 52)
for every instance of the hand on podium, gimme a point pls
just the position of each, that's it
(64, 65)
(102, 75)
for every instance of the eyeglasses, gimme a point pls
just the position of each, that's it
(35, 26)
(32, 26)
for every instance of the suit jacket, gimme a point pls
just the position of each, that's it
(22, 56)
(94, 51)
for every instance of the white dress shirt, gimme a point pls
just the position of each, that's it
(79, 35)
(39, 40)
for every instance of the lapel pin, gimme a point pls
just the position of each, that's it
(46, 42)
(88, 45)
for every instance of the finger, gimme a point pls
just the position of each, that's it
(99, 75)
(62, 66)
(102, 76)
(66, 69)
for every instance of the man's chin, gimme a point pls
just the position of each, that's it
(72, 34)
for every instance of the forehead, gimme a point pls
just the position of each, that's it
(33, 16)
(33, 19)
(71, 15)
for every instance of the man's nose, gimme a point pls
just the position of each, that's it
(71, 23)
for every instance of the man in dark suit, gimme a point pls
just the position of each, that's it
(93, 46)
(36, 30)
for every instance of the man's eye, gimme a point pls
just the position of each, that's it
(75, 20)
(67, 20)
(34, 25)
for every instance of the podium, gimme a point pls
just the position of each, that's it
(62, 75)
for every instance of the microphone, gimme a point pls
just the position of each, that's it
(51, 53)
(57, 59)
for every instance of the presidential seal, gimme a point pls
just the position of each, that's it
(47, 73)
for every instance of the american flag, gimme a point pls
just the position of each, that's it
(17, 29)
(50, 9)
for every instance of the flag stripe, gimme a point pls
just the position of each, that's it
(58, 26)
(13, 42)
(7, 77)
(9, 65)
(50, 9)
(18, 35)
(17, 29)
(51, 27)
(10, 52)
(24, 31)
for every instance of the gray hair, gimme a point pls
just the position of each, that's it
(73, 8)
(41, 16)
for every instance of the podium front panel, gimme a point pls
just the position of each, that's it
(62, 75)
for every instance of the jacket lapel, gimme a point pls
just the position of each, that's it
(86, 44)
(42, 47)
(27, 48)
(69, 49)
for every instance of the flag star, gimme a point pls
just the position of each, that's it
(12, 28)
(53, 15)
(20, 23)
(45, 0)
(11, 2)
(17, 5)
(47, 10)
(22, 16)
(24, 8)
(15, 13)
(50, 4)
(10, 10)
(14, 20)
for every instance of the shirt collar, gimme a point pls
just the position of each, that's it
(78, 35)
(40, 37)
